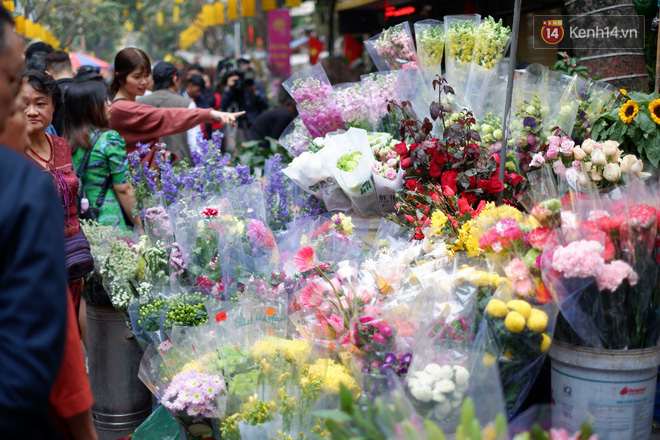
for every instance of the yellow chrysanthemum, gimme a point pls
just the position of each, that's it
(333, 375)
(496, 308)
(545, 342)
(654, 109)
(628, 111)
(521, 307)
(438, 220)
(514, 322)
(537, 321)
(489, 359)
(293, 350)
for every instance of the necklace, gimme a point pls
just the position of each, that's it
(50, 146)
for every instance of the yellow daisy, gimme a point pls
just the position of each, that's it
(654, 109)
(628, 111)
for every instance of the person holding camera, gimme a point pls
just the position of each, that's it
(241, 94)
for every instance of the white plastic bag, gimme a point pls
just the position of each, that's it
(357, 184)
(313, 173)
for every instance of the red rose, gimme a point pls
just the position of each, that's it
(448, 192)
(434, 196)
(496, 158)
(481, 206)
(401, 149)
(419, 235)
(434, 171)
(448, 179)
(473, 182)
(471, 197)
(463, 205)
(440, 158)
(515, 179)
(494, 185)
(482, 184)
(413, 185)
(406, 162)
(410, 218)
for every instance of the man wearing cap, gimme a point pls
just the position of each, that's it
(166, 84)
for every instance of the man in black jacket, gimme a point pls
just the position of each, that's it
(58, 65)
(32, 273)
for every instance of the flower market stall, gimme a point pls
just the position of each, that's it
(267, 310)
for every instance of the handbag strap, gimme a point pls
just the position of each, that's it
(85, 160)
(83, 167)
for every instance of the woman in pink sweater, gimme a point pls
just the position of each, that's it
(140, 123)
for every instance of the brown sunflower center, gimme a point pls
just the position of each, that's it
(656, 111)
(630, 110)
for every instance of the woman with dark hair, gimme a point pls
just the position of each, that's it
(141, 123)
(86, 115)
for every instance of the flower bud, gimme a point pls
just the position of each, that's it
(578, 153)
(610, 148)
(627, 162)
(497, 134)
(612, 172)
(598, 158)
(596, 175)
(588, 146)
(637, 168)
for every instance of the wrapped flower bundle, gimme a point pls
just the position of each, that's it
(393, 49)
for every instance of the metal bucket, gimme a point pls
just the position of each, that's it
(612, 389)
(121, 401)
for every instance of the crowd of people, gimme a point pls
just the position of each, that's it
(64, 141)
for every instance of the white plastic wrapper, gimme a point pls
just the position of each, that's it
(311, 171)
(385, 189)
(357, 184)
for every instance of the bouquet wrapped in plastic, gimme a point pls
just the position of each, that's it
(393, 49)
(460, 41)
(491, 43)
(312, 91)
(430, 39)
(604, 270)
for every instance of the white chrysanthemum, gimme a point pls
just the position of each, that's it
(439, 396)
(422, 393)
(461, 375)
(445, 386)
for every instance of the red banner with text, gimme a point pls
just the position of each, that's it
(279, 39)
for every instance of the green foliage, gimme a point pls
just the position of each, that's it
(570, 66)
(100, 22)
(640, 137)
(255, 153)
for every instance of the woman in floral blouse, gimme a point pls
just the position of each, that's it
(86, 115)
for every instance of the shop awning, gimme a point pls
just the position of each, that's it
(348, 4)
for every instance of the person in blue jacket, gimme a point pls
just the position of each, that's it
(32, 273)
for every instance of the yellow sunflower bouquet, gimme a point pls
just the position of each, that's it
(634, 122)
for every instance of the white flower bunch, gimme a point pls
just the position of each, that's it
(491, 40)
(444, 386)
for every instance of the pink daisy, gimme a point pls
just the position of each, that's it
(312, 295)
(305, 260)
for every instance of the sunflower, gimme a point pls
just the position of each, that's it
(628, 111)
(624, 92)
(654, 108)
